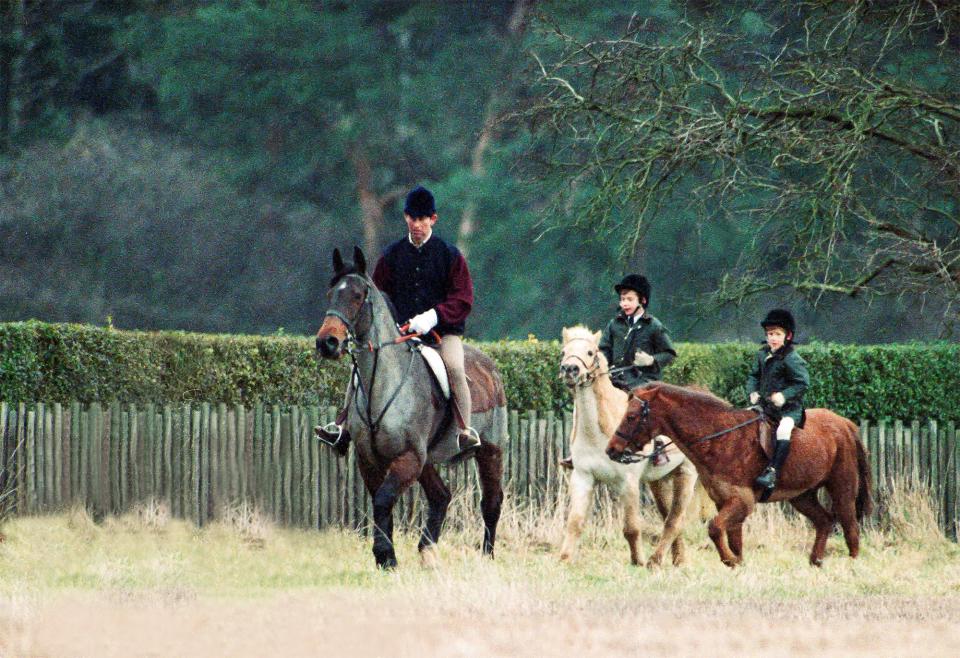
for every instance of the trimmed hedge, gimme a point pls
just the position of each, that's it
(61, 363)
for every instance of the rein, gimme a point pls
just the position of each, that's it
(353, 348)
(629, 457)
(590, 371)
(374, 425)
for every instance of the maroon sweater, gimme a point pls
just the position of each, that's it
(435, 275)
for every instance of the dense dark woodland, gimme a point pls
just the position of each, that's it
(190, 165)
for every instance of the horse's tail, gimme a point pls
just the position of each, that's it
(864, 495)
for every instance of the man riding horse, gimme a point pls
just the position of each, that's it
(429, 284)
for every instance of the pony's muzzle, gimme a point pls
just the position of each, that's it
(570, 373)
(619, 454)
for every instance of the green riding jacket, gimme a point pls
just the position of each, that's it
(622, 339)
(784, 371)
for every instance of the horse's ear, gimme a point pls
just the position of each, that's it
(564, 334)
(597, 336)
(359, 260)
(337, 261)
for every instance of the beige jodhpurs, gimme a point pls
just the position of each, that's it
(451, 351)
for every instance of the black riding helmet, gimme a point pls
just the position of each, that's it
(637, 283)
(781, 317)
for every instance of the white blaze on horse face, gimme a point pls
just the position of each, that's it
(342, 286)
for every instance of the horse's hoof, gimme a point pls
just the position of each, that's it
(816, 561)
(654, 563)
(565, 557)
(429, 559)
(387, 562)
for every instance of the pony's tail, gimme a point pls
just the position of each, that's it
(864, 495)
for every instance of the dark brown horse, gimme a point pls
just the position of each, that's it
(400, 423)
(722, 442)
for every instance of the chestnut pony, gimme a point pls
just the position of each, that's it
(400, 424)
(722, 442)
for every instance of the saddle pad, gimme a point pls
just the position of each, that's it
(435, 363)
(766, 438)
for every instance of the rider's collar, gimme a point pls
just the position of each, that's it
(638, 316)
(419, 246)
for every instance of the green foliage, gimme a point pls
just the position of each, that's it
(905, 381)
(59, 362)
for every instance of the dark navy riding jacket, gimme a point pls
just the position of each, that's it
(434, 275)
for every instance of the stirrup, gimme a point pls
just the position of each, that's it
(470, 436)
(767, 480)
(323, 431)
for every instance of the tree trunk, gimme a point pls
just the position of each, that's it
(372, 205)
(515, 27)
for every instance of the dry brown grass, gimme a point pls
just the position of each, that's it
(154, 585)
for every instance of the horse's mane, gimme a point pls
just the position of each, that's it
(579, 331)
(698, 393)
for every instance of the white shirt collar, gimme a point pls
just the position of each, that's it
(410, 239)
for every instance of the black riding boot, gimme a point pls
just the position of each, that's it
(335, 434)
(768, 479)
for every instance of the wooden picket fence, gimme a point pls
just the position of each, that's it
(202, 459)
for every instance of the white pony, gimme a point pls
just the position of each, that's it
(598, 407)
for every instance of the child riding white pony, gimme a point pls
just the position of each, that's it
(598, 407)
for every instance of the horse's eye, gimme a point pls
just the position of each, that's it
(590, 353)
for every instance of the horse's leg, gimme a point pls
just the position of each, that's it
(581, 497)
(844, 499)
(630, 500)
(401, 473)
(732, 513)
(438, 499)
(735, 538)
(490, 470)
(808, 505)
(684, 486)
(663, 499)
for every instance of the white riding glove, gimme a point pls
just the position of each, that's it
(424, 322)
(778, 399)
(754, 397)
(642, 359)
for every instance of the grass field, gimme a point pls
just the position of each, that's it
(145, 584)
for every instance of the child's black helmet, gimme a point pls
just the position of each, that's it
(780, 317)
(636, 282)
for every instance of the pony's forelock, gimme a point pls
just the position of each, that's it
(349, 269)
(577, 332)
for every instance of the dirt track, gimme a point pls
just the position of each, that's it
(309, 624)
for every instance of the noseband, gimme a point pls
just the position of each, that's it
(589, 371)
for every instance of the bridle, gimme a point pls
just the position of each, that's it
(353, 347)
(591, 372)
(588, 375)
(628, 456)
